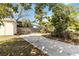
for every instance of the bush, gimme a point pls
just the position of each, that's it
(65, 34)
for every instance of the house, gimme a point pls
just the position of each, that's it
(9, 27)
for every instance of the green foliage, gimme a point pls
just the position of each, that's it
(25, 23)
(64, 16)
(7, 10)
(20, 8)
(37, 17)
(61, 18)
(40, 16)
(74, 22)
(26, 6)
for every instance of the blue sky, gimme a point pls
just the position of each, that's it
(30, 13)
(75, 4)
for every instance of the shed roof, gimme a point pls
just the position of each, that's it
(8, 20)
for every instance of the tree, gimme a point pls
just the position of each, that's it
(40, 15)
(49, 24)
(25, 23)
(20, 9)
(74, 24)
(60, 18)
(9, 9)
(4, 11)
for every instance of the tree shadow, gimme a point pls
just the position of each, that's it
(19, 47)
(65, 40)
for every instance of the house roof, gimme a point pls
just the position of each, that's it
(8, 20)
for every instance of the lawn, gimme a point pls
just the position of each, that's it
(13, 46)
(3, 38)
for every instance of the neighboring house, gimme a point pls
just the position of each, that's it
(9, 27)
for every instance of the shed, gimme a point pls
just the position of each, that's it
(9, 27)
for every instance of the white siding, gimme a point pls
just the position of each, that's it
(9, 28)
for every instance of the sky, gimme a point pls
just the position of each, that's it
(31, 13)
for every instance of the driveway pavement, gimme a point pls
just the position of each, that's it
(52, 47)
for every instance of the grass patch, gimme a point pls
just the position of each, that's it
(3, 38)
(19, 47)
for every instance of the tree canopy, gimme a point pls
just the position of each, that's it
(8, 9)
(63, 16)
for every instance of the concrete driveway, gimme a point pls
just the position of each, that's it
(51, 47)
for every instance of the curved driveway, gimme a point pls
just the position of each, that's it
(51, 47)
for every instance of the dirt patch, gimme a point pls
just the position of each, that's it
(19, 47)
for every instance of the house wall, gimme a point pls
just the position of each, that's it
(9, 28)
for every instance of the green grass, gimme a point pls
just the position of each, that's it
(3, 38)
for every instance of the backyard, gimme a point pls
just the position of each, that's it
(39, 29)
